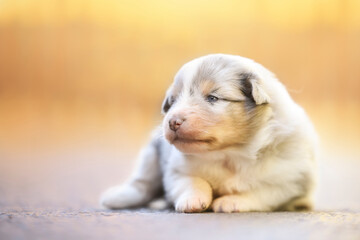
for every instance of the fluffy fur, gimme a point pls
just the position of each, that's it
(232, 140)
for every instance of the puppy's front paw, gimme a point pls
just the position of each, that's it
(228, 204)
(193, 203)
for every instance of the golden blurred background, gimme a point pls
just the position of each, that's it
(82, 81)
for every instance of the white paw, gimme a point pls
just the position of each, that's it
(158, 204)
(228, 204)
(123, 196)
(192, 203)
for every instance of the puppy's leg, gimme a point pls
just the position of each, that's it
(189, 194)
(267, 199)
(144, 185)
(304, 203)
(238, 203)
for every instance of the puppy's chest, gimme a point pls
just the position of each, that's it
(227, 177)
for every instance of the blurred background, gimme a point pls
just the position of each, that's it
(82, 81)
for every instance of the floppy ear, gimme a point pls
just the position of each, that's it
(168, 101)
(259, 95)
(166, 105)
(252, 89)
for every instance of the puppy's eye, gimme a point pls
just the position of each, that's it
(211, 98)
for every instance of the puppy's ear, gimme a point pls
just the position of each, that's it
(166, 105)
(252, 89)
(168, 101)
(259, 95)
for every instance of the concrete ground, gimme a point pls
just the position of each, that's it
(53, 196)
(145, 224)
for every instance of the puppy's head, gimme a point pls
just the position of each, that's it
(215, 102)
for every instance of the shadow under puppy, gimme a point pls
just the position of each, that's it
(232, 140)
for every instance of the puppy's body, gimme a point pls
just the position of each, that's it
(232, 140)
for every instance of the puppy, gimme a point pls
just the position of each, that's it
(232, 140)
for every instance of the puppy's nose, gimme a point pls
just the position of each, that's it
(175, 123)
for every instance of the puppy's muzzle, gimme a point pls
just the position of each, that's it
(175, 123)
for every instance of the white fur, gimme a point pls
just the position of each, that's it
(275, 169)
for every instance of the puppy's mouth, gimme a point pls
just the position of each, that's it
(190, 141)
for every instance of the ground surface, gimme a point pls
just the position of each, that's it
(51, 196)
(144, 224)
